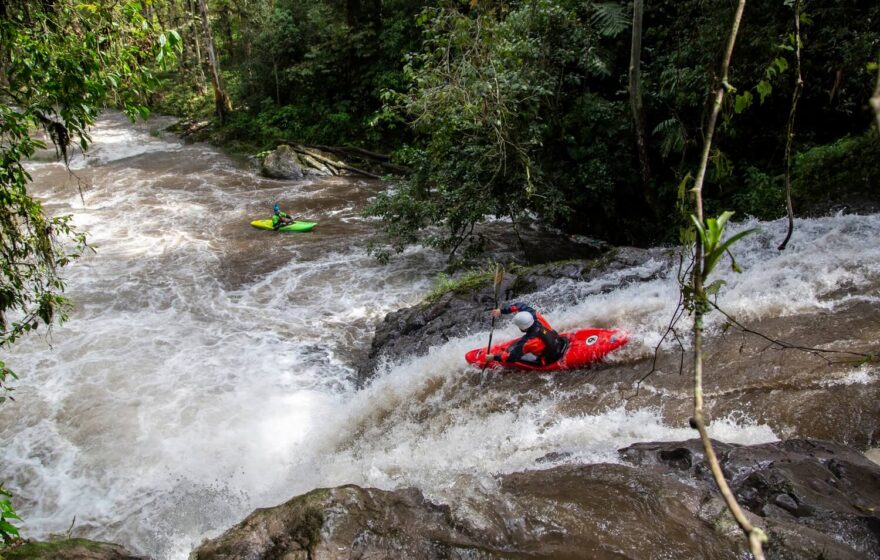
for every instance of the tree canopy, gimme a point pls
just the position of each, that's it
(521, 110)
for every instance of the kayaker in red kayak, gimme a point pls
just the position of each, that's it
(539, 346)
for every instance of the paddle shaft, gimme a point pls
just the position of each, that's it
(499, 274)
(488, 348)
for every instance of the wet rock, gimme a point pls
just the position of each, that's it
(296, 162)
(817, 494)
(69, 549)
(584, 511)
(610, 511)
(811, 497)
(344, 522)
(414, 330)
(282, 163)
(554, 457)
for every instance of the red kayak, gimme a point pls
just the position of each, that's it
(584, 347)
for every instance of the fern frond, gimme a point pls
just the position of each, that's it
(611, 18)
(597, 64)
(671, 133)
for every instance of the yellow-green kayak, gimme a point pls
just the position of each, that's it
(295, 226)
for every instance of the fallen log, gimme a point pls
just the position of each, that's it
(334, 164)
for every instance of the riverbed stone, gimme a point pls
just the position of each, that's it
(282, 163)
(297, 162)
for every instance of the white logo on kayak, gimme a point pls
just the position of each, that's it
(592, 340)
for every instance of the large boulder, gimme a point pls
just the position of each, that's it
(297, 162)
(282, 163)
(583, 511)
(810, 495)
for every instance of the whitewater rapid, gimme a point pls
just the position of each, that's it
(208, 368)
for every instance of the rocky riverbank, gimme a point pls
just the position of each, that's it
(814, 499)
(814, 493)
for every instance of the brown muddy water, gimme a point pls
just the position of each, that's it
(207, 367)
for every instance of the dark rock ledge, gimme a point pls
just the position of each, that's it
(414, 330)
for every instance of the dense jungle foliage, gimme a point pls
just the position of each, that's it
(522, 109)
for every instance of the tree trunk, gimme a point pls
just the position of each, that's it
(789, 132)
(197, 44)
(635, 99)
(221, 100)
(226, 29)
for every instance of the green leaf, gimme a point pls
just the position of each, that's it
(7, 530)
(712, 258)
(723, 218)
(700, 230)
(781, 64)
(726, 245)
(743, 102)
(764, 89)
(612, 18)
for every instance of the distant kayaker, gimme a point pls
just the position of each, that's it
(540, 345)
(279, 218)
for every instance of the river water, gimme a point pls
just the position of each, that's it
(208, 367)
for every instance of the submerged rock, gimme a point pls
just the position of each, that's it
(69, 549)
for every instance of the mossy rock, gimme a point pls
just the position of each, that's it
(68, 549)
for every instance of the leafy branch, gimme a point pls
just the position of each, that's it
(8, 531)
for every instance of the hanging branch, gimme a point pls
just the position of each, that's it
(789, 135)
(700, 305)
(677, 314)
(788, 346)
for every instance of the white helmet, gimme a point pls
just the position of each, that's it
(523, 320)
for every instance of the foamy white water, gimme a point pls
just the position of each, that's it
(207, 367)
